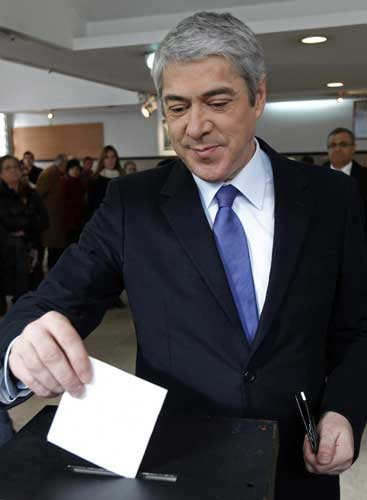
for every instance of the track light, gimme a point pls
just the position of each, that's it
(149, 106)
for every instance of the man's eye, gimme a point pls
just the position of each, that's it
(176, 110)
(218, 104)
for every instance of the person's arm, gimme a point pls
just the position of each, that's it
(48, 354)
(344, 406)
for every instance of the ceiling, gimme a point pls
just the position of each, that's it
(295, 71)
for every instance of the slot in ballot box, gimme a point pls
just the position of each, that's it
(214, 458)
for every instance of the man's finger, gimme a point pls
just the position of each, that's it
(40, 372)
(327, 448)
(72, 345)
(54, 359)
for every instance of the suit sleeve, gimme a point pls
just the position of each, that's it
(84, 282)
(347, 337)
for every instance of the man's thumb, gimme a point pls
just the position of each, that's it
(327, 449)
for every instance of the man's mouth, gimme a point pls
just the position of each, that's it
(205, 151)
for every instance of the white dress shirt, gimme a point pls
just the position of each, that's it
(255, 209)
(347, 169)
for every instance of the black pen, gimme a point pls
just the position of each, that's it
(98, 471)
(308, 421)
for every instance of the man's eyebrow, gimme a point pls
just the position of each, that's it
(210, 93)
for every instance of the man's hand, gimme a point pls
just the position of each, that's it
(336, 448)
(50, 358)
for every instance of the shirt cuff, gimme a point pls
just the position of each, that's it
(10, 388)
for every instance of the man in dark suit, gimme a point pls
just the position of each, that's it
(341, 145)
(245, 271)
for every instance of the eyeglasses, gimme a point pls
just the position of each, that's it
(343, 144)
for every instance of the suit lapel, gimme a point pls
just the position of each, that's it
(293, 208)
(181, 206)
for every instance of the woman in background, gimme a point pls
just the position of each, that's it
(73, 190)
(108, 168)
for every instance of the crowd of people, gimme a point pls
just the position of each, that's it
(45, 210)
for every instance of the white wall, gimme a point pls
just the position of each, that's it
(304, 126)
(26, 88)
(288, 131)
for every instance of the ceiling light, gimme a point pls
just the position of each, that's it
(149, 106)
(340, 99)
(50, 115)
(149, 59)
(314, 39)
(335, 84)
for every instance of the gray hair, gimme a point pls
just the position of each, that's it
(209, 33)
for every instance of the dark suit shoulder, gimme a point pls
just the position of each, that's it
(151, 180)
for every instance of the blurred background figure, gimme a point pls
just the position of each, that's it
(49, 188)
(108, 168)
(307, 159)
(87, 170)
(130, 167)
(30, 169)
(73, 190)
(22, 218)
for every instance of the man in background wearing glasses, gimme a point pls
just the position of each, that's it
(341, 147)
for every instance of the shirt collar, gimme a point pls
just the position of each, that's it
(250, 181)
(347, 169)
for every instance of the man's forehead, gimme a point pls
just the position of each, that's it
(340, 135)
(209, 75)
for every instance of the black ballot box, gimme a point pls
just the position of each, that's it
(214, 458)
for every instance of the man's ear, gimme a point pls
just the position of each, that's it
(260, 97)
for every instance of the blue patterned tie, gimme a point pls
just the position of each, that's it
(231, 241)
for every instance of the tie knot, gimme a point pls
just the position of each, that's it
(225, 195)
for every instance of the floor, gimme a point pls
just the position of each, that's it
(114, 342)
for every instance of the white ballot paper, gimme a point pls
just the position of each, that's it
(111, 423)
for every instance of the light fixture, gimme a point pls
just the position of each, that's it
(335, 84)
(314, 39)
(340, 97)
(50, 115)
(149, 106)
(149, 59)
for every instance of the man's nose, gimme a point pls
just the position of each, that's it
(198, 123)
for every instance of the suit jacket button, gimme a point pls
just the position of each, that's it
(249, 376)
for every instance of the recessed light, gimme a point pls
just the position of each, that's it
(314, 39)
(335, 84)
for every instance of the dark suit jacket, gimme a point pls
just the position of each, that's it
(151, 236)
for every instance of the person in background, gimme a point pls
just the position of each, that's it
(108, 168)
(341, 146)
(49, 188)
(73, 192)
(22, 218)
(130, 167)
(307, 159)
(87, 170)
(30, 169)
